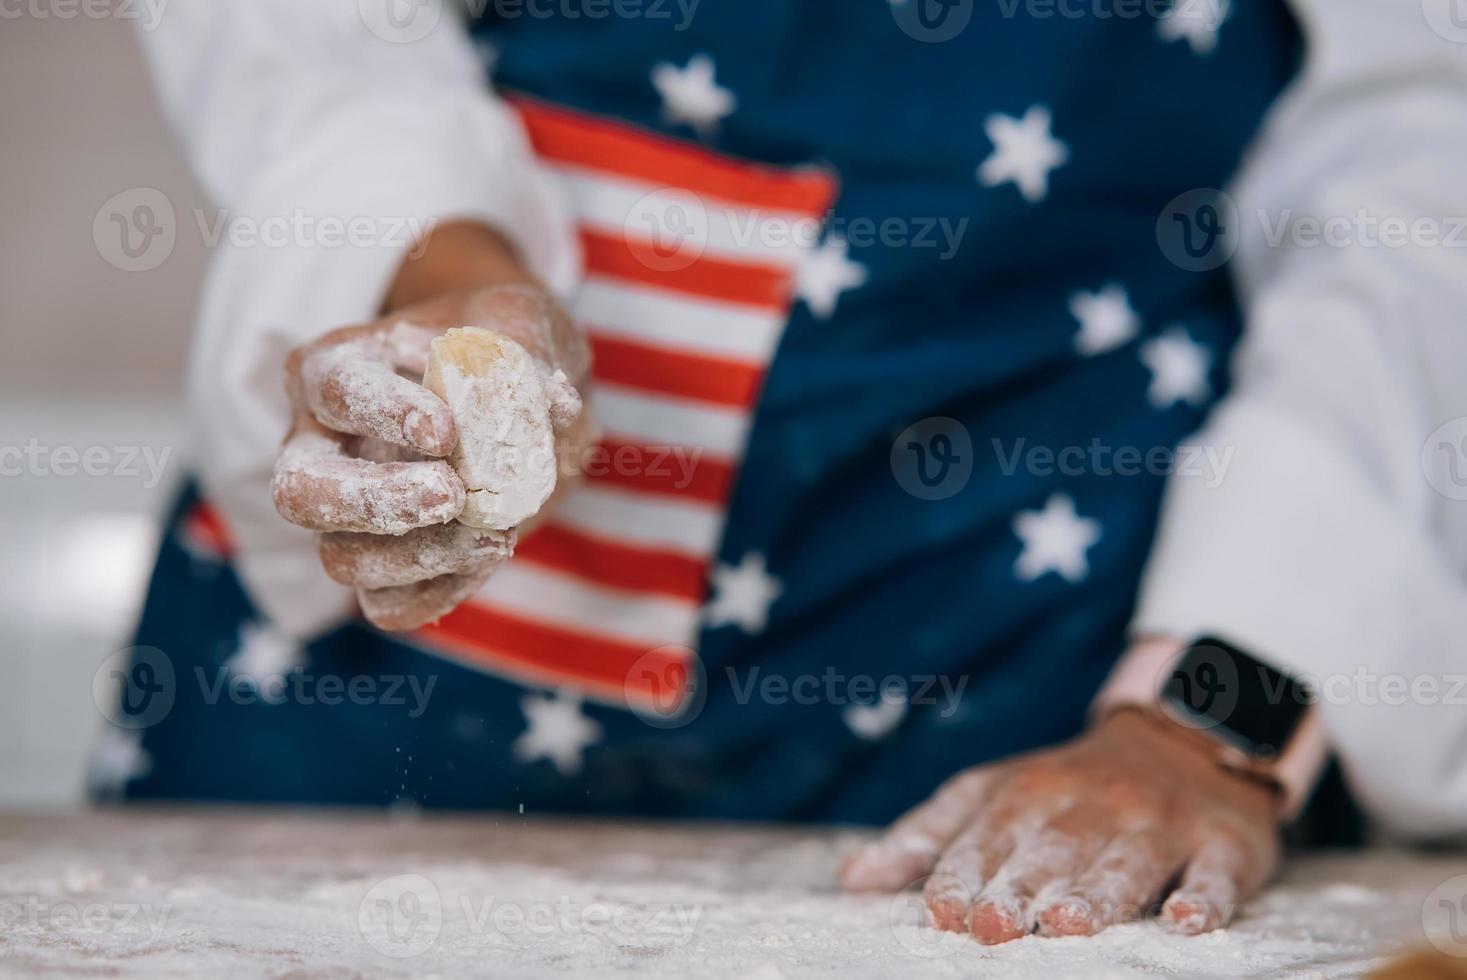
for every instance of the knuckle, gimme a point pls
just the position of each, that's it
(422, 486)
(1224, 834)
(289, 466)
(280, 489)
(1131, 796)
(442, 490)
(286, 491)
(966, 783)
(341, 555)
(1239, 850)
(395, 609)
(1039, 779)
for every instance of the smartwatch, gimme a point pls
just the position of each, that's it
(1251, 717)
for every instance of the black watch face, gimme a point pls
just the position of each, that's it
(1219, 688)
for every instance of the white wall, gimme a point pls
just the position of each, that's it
(90, 355)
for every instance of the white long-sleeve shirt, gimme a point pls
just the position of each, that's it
(291, 115)
(1329, 547)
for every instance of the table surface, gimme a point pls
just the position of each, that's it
(186, 893)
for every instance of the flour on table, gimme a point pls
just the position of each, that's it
(501, 896)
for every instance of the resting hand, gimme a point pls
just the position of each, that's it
(1071, 840)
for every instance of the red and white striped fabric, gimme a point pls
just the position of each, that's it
(682, 334)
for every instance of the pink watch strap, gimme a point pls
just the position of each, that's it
(1137, 677)
(1136, 681)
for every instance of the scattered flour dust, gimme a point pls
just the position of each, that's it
(185, 895)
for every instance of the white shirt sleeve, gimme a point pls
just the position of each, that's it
(1336, 544)
(329, 149)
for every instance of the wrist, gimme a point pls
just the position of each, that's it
(1248, 717)
(1161, 744)
(455, 256)
(1135, 726)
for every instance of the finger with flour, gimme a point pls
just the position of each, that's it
(318, 486)
(910, 848)
(1044, 862)
(1124, 880)
(966, 867)
(375, 561)
(530, 316)
(352, 385)
(1216, 879)
(407, 607)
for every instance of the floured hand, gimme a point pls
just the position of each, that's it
(366, 461)
(1071, 840)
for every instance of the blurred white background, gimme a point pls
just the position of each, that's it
(90, 356)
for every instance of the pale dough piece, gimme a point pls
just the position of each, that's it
(500, 401)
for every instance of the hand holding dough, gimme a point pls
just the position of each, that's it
(373, 462)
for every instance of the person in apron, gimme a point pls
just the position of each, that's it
(885, 359)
